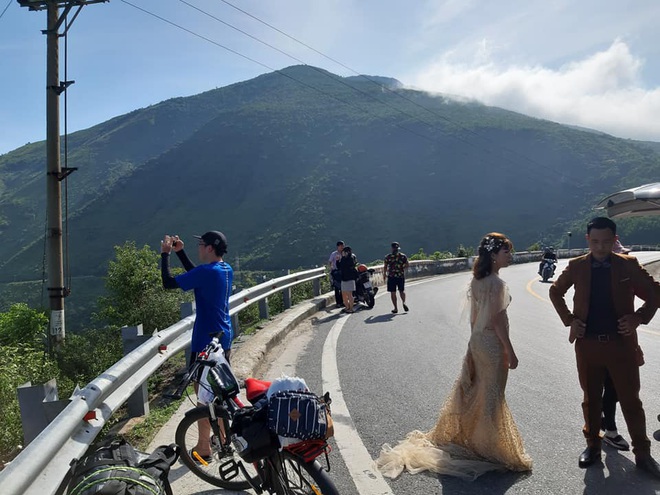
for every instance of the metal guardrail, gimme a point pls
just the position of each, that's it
(41, 467)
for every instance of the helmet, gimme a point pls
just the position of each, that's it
(362, 267)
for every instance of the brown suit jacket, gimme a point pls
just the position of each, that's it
(629, 279)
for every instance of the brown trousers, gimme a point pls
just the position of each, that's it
(619, 357)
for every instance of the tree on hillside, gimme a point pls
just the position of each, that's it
(136, 294)
(22, 325)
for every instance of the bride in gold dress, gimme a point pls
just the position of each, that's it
(475, 432)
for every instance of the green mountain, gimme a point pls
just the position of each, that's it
(287, 163)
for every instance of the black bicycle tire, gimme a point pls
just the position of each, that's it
(320, 476)
(189, 420)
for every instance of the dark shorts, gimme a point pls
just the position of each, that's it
(394, 283)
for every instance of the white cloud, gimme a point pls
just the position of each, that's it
(602, 91)
(439, 14)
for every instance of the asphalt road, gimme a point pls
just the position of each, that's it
(389, 375)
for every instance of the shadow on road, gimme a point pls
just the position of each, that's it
(380, 318)
(177, 471)
(331, 317)
(491, 483)
(184, 482)
(618, 474)
(623, 477)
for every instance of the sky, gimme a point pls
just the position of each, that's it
(590, 63)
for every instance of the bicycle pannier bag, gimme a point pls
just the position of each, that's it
(119, 469)
(300, 415)
(251, 436)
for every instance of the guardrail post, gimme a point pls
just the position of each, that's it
(138, 402)
(187, 309)
(39, 405)
(263, 309)
(286, 295)
(234, 325)
(316, 284)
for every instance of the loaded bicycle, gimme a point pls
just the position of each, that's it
(245, 452)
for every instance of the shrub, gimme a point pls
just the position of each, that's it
(19, 364)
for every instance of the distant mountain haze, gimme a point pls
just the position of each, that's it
(288, 162)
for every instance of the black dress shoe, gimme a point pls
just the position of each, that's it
(589, 456)
(649, 465)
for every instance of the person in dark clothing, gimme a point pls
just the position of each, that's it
(608, 422)
(548, 254)
(347, 268)
(335, 275)
(394, 272)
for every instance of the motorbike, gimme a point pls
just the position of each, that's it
(548, 269)
(365, 292)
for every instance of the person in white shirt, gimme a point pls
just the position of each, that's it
(335, 275)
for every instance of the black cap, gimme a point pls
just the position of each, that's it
(395, 244)
(215, 239)
(340, 243)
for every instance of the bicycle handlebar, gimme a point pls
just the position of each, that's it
(194, 367)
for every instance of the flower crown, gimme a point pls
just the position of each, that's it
(491, 243)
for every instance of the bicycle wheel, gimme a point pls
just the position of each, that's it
(223, 469)
(304, 478)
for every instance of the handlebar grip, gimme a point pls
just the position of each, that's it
(185, 381)
(178, 393)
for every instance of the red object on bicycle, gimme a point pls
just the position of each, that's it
(309, 449)
(255, 388)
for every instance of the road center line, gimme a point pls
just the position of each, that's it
(532, 292)
(356, 457)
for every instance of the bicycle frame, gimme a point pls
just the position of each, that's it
(273, 474)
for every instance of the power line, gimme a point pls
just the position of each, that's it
(379, 85)
(334, 78)
(350, 68)
(3, 12)
(320, 71)
(367, 110)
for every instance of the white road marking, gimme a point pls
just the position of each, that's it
(361, 467)
(356, 457)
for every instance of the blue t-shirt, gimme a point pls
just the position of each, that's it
(212, 283)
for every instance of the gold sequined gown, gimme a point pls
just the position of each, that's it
(475, 432)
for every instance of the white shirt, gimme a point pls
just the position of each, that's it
(334, 257)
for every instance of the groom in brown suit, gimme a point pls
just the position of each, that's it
(603, 326)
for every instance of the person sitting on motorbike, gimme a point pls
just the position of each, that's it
(548, 254)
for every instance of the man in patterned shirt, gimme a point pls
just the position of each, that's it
(394, 272)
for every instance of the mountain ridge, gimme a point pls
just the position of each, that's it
(290, 161)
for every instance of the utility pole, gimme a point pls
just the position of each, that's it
(54, 172)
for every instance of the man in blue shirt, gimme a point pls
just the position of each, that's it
(212, 282)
